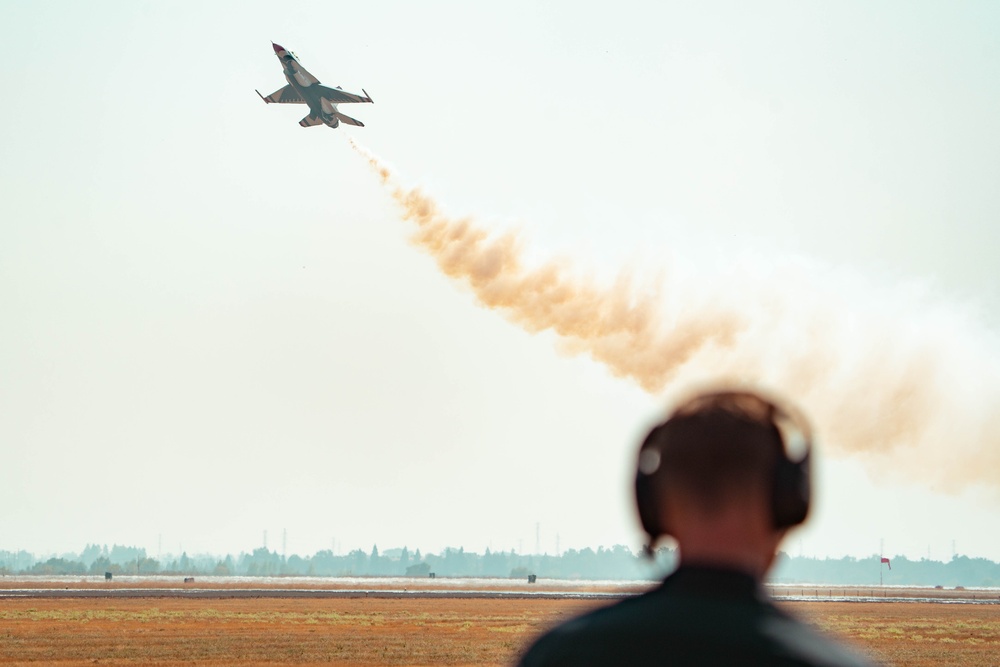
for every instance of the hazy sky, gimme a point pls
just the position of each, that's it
(213, 321)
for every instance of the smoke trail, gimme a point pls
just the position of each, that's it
(909, 387)
(628, 334)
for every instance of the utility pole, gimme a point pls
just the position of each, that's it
(881, 555)
(284, 543)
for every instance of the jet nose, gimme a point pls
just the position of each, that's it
(278, 48)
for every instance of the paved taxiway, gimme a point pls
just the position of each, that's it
(297, 593)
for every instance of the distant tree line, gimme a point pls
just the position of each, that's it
(618, 562)
(901, 571)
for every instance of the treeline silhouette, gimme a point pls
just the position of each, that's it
(618, 562)
(901, 571)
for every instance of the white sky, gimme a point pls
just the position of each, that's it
(212, 323)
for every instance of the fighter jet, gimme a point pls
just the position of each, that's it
(304, 88)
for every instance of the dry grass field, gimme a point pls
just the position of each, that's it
(912, 634)
(354, 631)
(360, 631)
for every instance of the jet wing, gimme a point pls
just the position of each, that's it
(336, 95)
(286, 95)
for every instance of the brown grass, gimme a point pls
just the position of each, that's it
(356, 631)
(360, 631)
(912, 634)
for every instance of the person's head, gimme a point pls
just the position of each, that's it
(718, 470)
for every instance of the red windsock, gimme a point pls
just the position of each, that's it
(886, 561)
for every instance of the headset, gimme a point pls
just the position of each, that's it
(791, 487)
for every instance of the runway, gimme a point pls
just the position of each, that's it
(220, 588)
(299, 593)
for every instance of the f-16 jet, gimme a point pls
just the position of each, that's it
(304, 88)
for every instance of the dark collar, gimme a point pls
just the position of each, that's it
(700, 580)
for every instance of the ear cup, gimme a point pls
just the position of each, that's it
(792, 491)
(650, 506)
(649, 494)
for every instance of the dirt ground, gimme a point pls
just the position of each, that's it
(368, 631)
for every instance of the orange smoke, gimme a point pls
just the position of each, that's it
(629, 335)
(908, 388)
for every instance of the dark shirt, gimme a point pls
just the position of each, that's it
(697, 616)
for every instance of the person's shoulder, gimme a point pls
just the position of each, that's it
(609, 629)
(641, 630)
(805, 645)
(690, 631)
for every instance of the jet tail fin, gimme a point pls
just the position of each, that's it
(349, 120)
(310, 121)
